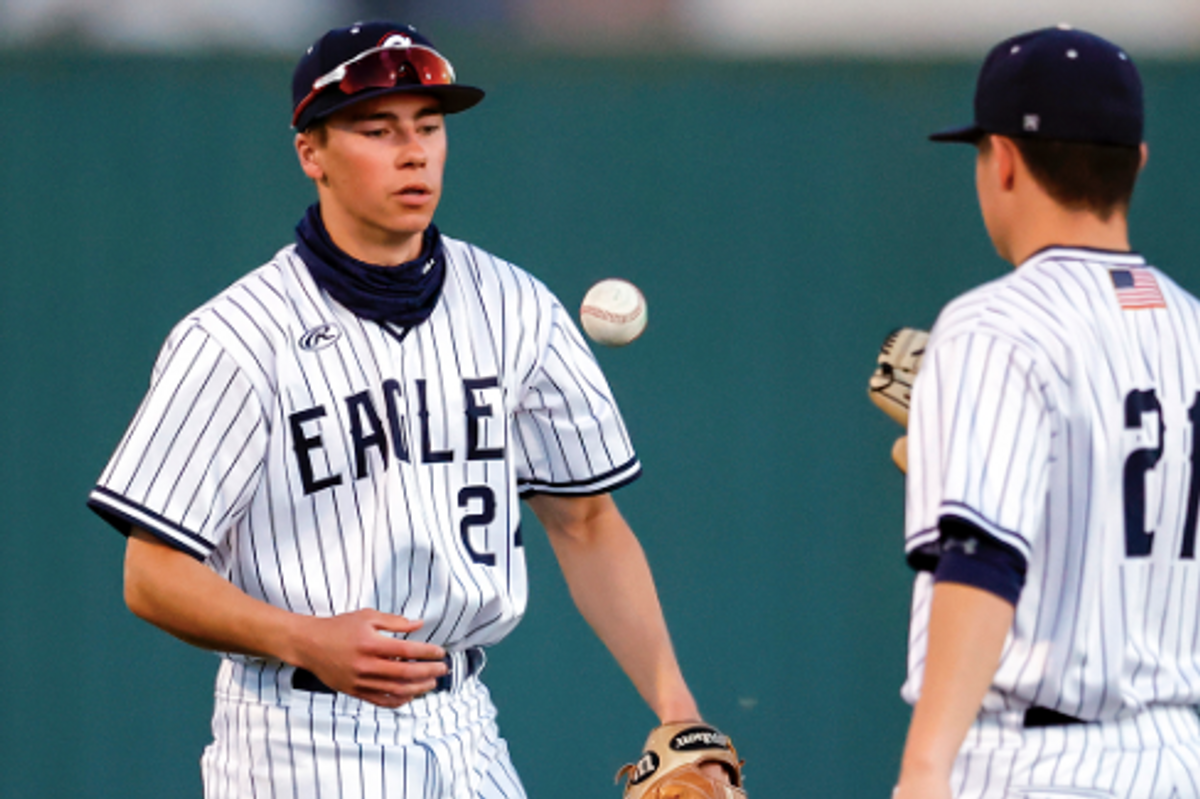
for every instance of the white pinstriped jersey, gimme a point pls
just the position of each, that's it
(325, 464)
(1058, 409)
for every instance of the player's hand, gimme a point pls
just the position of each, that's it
(900, 453)
(688, 758)
(717, 772)
(713, 770)
(353, 654)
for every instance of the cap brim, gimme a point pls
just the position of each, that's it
(968, 135)
(454, 98)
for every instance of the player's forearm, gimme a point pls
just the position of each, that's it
(967, 630)
(611, 583)
(182, 596)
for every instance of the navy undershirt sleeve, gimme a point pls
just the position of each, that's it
(972, 557)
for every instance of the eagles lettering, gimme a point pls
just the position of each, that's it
(387, 432)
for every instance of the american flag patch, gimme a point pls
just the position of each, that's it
(1137, 288)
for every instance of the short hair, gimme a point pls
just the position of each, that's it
(1081, 175)
(319, 131)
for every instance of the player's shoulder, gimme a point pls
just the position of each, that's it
(247, 320)
(1081, 288)
(258, 299)
(485, 269)
(464, 254)
(1053, 290)
(1178, 294)
(976, 308)
(1023, 309)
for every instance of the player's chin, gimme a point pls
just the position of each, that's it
(409, 222)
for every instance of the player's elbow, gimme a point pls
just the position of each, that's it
(577, 520)
(137, 596)
(139, 575)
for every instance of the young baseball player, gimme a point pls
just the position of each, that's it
(322, 482)
(1054, 464)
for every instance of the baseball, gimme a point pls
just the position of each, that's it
(613, 312)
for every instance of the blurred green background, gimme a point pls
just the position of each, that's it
(781, 216)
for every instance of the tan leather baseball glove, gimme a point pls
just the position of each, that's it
(890, 386)
(670, 766)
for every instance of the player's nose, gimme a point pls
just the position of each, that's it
(411, 152)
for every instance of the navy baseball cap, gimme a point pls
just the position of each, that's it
(369, 59)
(1056, 83)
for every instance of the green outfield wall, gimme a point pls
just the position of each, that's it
(781, 218)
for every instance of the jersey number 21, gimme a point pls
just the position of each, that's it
(1138, 540)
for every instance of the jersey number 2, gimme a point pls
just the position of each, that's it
(485, 516)
(1138, 540)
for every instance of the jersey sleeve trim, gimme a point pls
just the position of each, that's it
(971, 556)
(599, 484)
(921, 550)
(125, 515)
(1009, 538)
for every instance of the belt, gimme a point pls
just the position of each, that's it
(1045, 717)
(466, 663)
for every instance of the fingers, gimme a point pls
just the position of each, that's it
(400, 648)
(404, 672)
(403, 649)
(392, 683)
(386, 681)
(392, 698)
(387, 700)
(716, 771)
(358, 654)
(393, 623)
(397, 665)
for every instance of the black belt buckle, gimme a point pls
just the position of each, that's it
(1045, 717)
(474, 662)
(305, 680)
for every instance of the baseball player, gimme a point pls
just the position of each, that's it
(1054, 464)
(322, 482)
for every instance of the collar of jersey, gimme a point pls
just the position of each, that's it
(1093, 254)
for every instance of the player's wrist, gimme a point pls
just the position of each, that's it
(922, 765)
(295, 639)
(678, 709)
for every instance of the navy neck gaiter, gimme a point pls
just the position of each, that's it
(404, 295)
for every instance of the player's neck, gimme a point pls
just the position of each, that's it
(1048, 224)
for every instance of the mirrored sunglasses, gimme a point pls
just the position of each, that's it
(383, 68)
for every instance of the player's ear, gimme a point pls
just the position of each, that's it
(1145, 150)
(308, 152)
(1006, 158)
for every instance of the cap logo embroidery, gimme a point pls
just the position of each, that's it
(1031, 123)
(396, 40)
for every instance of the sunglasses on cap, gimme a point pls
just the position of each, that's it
(383, 68)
